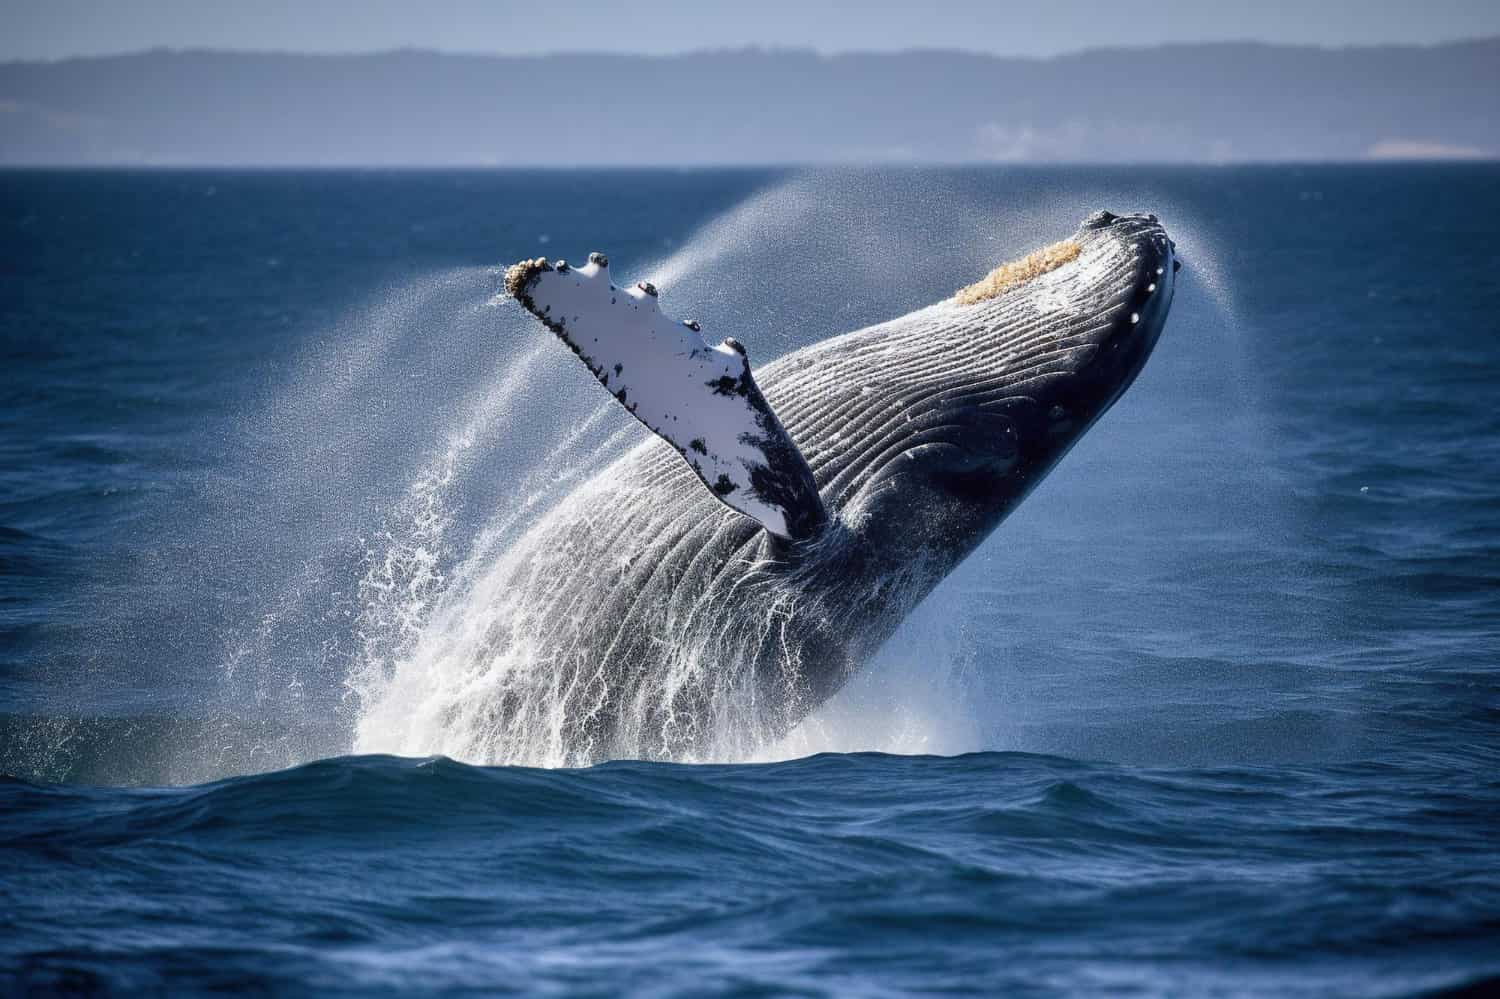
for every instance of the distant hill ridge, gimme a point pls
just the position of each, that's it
(1220, 102)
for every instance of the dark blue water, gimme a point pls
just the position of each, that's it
(1215, 712)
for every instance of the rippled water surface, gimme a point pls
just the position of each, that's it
(1215, 712)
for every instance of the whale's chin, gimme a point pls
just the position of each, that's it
(977, 398)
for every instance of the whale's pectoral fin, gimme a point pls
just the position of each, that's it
(700, 399)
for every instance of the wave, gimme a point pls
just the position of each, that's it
(843, 872)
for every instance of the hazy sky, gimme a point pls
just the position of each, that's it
(48, 29)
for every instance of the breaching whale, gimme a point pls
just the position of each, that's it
(726, 576)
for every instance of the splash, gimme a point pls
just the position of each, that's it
(463, 647)
(478, 663)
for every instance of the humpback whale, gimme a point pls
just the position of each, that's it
(729, 573)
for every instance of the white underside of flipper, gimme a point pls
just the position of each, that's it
(701, 399)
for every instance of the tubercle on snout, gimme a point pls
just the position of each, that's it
(1018, 272)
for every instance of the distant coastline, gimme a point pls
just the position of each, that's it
(1192, 104)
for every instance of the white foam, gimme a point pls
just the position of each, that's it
(444, 632)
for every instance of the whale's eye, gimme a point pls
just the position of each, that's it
(1060, 421)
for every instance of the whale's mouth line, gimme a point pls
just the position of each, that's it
(1018, 272)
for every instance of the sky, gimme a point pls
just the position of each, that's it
(52, 29)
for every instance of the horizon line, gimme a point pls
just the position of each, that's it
(1482, 159)
(753, 48)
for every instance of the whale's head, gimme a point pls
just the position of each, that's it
(959, 410)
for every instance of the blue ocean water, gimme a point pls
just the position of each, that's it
(1215, 712)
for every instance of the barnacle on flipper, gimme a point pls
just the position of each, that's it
(517, 275)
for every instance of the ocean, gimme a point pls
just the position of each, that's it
(1215, 712)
